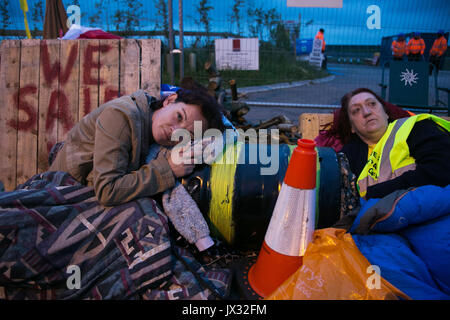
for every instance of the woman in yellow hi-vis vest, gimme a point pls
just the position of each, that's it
(386, 156)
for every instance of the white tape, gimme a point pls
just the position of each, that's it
(292, 224)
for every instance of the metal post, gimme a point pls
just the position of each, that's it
(171, 66)
(180, 17)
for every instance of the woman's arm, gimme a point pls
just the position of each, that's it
(430, 147)
(113, 184)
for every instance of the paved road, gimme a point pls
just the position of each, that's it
(344, 78)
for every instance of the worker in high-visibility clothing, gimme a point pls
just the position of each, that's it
(415, 48)
(398, 47)
(437, 51)
(388, 155)
(320, 35)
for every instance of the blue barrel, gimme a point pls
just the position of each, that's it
(237, 200)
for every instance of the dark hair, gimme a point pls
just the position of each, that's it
(343, 128)
(194, 93)
(321, 30)
(210, 108)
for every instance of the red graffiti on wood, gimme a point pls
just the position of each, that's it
(87, 100)
(90, 64)
(51, 72)
(111, 93)
(21, 104)
(59, 104)
(58, 109)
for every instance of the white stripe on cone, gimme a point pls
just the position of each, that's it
(292, 224)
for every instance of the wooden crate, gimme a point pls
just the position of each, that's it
(46, 86)
(311, 123)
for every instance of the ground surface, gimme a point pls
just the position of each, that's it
(324, 94)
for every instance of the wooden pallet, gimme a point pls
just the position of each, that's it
(46, 86)
(311, 123)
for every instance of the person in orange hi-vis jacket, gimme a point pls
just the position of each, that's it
(398, 47)
(438, 50)
(320, 35)
(415, 48)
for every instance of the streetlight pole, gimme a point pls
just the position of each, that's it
(180, 18)
(171, 45)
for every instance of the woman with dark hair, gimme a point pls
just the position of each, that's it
(108, 147)
(388, 155)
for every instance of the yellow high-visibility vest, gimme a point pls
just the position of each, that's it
(390, 158)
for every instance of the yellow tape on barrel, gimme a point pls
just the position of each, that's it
(222, 186)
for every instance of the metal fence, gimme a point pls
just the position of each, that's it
(354, 36)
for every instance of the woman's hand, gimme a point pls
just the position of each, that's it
(183, 157)
(181, 160)
(180, 169)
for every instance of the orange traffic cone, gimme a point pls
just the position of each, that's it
(292, 224)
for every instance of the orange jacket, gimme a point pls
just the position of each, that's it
(439, 47)
(398, 48)
(415, 46)
(319, 35)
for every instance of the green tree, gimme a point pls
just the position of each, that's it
(128, 19)
(4, 14)
(235, 17)
(37, 15)
(162, 18)
(203, 10)
(95, 19)
(255, 21)
(281, 38)
(262, 22)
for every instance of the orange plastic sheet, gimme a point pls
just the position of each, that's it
(334, 269)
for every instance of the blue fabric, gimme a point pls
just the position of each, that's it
(167, 90)
(411, 245)
(418, 206)
(365, 205)
(431, 242)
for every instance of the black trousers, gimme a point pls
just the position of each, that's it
(414, 57)
(436, 61)
(324, 62)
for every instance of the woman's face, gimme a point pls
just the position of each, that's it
(367, 117)
(174, 116)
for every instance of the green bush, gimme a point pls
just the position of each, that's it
(275, 66)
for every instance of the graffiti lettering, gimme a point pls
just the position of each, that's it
(111, 93)
(21, 104)
(59, 105)
(87, 100)
(90, 64)
(52, 72)
(58, 109)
